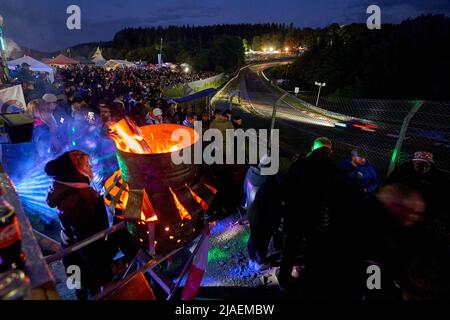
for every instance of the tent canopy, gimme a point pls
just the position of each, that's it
(61, 60)
(35, 65)
(97, 57)
(119, 64)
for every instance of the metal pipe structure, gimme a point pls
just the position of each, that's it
(4, 62)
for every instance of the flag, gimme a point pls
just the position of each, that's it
(197, 271)
(12, 100)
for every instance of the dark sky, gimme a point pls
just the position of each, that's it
(41, 24)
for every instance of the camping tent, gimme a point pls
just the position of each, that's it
(35, 65)
(61, 60)
(97, 57)
(114, 64)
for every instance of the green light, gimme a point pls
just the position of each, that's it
(245, 237)
(216, 254)
(74, 130)
(394, 156)
(74, 144)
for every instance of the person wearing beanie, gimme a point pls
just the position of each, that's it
(422, 174)
(82, 213)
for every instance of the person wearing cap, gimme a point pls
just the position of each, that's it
(422, 174)
(154, 117)
(263, 204)
(51, 101)
(82, 213)
(361, 171)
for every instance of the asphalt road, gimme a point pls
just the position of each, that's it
(302, 126)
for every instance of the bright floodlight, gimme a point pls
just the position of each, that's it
(271, 49)
(286, 49)
(186, 69)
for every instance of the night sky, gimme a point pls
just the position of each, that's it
(41, 24)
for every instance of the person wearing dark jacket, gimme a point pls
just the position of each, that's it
(316, 191)
(263, 203)
(387, 229)
(360, 171)
(422, 174)
(82, 214)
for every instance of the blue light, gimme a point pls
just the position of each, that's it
(32, 193)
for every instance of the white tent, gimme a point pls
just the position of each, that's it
(114, 64)
(97, 57)
(35, 65)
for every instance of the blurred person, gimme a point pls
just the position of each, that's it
(422, 174)
(237, 123)
(263, 203)
(45, 131)
(24, 74)
(190, 120)
(51, 101)
(82, 213)
(138, 114)
(384, 229)
(154, 117)
(62, 110)
(205, 120)
(117, 111)
(222, 123)
(361, 171)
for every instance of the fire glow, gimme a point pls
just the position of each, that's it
(141, 140)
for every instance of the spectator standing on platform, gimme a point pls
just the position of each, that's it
(315, 192)
(263, 203)
(361, 171)
(422, 174)
(82, 213)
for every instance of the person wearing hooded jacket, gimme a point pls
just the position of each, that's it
(263, 203)
(82, 214)
(315, 192)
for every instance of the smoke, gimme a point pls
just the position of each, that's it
(13, 50)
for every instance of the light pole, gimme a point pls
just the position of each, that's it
(4, 66)
(320, 84)
(160, 61)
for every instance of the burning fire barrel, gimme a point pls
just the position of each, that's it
(164, 203)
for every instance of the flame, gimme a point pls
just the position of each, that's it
(152, 139)
(124, 139)
(154, 218)
(200, 201)
(113, 190)
(184, 214)
(148, 210)
(213, 190)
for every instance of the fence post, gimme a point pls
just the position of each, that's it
(402, 134)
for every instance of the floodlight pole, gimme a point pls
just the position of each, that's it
(160, 53)
(323, 84)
